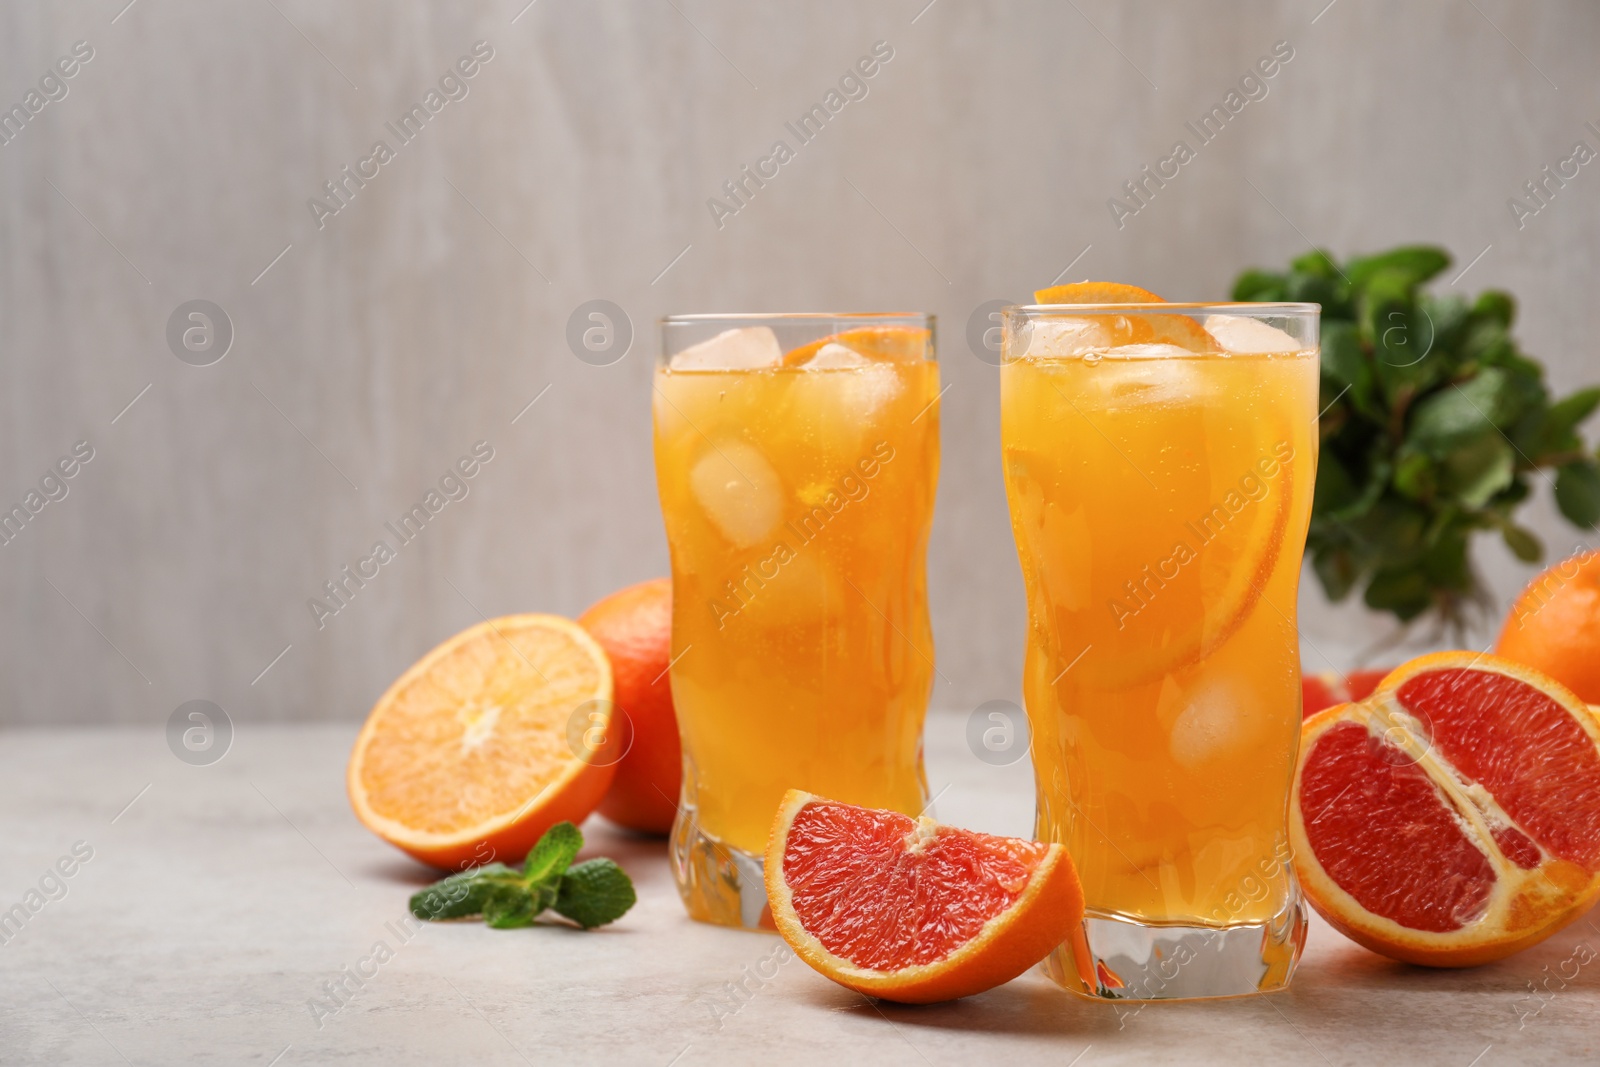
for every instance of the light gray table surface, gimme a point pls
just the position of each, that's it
(219, 899)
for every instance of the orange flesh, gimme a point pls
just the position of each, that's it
(480, 732)
(870, 899)
(1424, 871)
(903, 344)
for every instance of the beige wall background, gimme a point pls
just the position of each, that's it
(371, 352)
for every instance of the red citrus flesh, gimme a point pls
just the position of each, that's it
(909, 910)
(844, 863)
(1454, 816)
(1529, 753)
(1426, 874)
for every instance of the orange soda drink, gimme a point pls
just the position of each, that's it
(1159, 468)
(796, 460)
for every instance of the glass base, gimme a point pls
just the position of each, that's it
(719, 884)
(1112, 957)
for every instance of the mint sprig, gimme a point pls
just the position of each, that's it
(591, 893)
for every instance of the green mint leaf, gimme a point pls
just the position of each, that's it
(1444, 564)
(1315, 262)
(1342, 358)
(1415, 264)
(1330, 292)
(1259, 285)
(1578, 492)
(1449, 317)
(1335, 570)
(1556, 430)
(1523, 544)
(554, 853)
(1336, 485)
(1387, 293)
(1415, 477)
(508, 906)
(1396, 530)
(1497, 306)
(463, 894)
(1400, 590)
(1374, 481)
(594, 893)
(1475, 472)
(1459, 414)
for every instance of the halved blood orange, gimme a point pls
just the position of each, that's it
(487, 742)
(911, 911)
(889, 344)
(1453, 817)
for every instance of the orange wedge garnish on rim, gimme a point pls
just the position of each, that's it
(487, 742)
(1453, 817)
(890, 344)
(911, 911)
(1115, 331)
(1095, 293)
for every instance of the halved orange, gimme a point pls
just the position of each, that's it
(911, 911)
(1116, 331)
(1453, 817)
(890, 344)
(487, 742)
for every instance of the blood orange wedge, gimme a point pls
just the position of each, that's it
(908, 910)
(890, 344)
(487, 742)
(1453, 817)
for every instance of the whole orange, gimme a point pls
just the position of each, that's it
(1554, 625)
(634, 626)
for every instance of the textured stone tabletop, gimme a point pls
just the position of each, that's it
(216, 902)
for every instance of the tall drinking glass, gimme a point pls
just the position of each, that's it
(796, 459)
(1159, 461)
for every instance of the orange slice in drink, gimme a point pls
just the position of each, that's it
(887, 344)
(1116, 331)
(1453, 817)
(911, 911)
(1173, 591)
(1227, 585)
(487, 742)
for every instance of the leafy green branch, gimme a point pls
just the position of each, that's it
(1433, 420)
